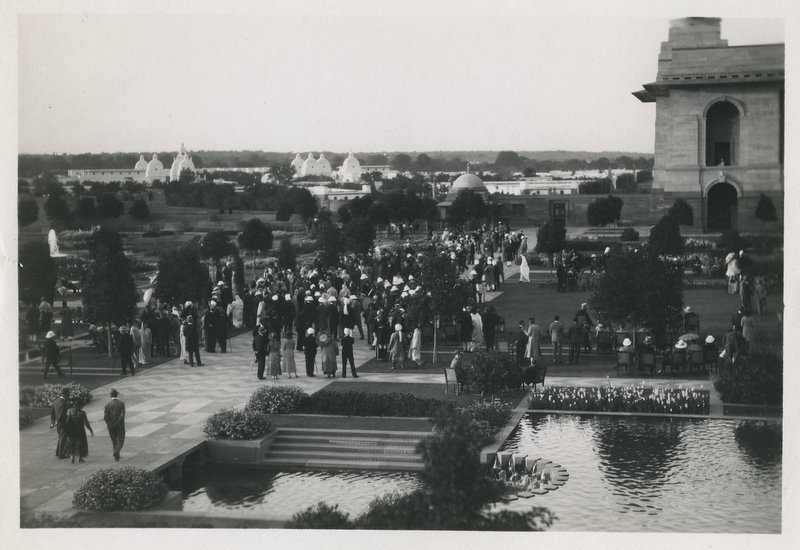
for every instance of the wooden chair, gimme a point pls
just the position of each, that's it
(604, 341)
(450, 378)
(534, 375)
(696, 360)
(624, 359)
(647, 360)
(677, 361)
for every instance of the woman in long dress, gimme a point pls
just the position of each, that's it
(329, 351)
(476, 341)
(524, 271)
(287, 355)
(416, 347)
(76, 424)
(147, 343)
(749, 330)
(274, 355)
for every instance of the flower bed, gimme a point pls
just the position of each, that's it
(44, 395)
(371, 404)
(632, 399)
(120, 489)
(237, 424)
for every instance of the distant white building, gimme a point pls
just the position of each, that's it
(350, 171)
(143, 172)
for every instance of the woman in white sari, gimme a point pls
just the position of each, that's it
(476, 341)
(416, 347)
(524, 271)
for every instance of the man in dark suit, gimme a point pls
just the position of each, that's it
(58, 414)
(114, 415)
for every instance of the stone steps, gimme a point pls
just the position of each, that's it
(312, 448)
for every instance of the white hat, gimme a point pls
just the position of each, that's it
(220, 283)
(607, 250)
(348, 331)
(410, 277)
(709, 339)
(626, 342)
(406, 288)
(687, 309)
(309, 299)
(50, 334)
(260, 281)
(310, 330)
(212, 303)
(680, 345)
(473, 272)
(394, 288)
(404, 295)
(287, 297)
(353, 297)
(398, 326)
(274, 297)
(379, 280)
(332, 299)
(345, 300)
(584, 305)
(187, 304)
(317, 294)
(363, 276)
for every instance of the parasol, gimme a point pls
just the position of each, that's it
(689, 337)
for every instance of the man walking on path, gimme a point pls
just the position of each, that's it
(575, 338)
(557, 338)
(58, 413)
(114, 415)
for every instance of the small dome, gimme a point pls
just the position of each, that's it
(141, 164)
(468, 181)
(297, 164)
(351, 163)
(323, 166)
(154, 168)
(309, 165)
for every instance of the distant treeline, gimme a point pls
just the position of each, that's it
(504, 162)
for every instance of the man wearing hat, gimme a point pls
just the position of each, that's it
(125, 349)
(114, 416)
(260, 349)
(51, 353)
(397, 348)
(58, 414)
(310, 350)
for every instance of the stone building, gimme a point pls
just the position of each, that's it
(719, 125)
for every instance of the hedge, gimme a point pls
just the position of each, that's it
(127, 488)
(237, 424)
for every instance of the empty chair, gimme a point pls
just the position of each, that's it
(604, 341)
(647, 361)
(625, 360)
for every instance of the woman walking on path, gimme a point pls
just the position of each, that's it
(416, 347)
(147, 342)
(75, 422)
(287, 355)
(329, 351)
(274, 355)
(748, 330)
(476, 337)
(524, 271)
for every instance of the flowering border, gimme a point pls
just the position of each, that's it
(630, 399)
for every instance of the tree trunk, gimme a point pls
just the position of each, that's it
(254, 265)
(108, 334)
(435, 338)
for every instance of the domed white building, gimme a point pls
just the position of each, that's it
(180, 163)
(350, 171)
(297, 164)
(141, 164)
(464, 182)
(155, 169)
(323, 166)
(309, 166)
(315, 167)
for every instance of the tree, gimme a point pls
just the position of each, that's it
(109, 206)
(285, 211)
(256, 236)
(377, 159)
(401, 162)
(626, 183)
(330, 242)
(287, 257)
(600, 186)
(448, 292)
(85, 208)
(681, 211)
(305, 205)
(468, 206)
(639, 287)
(551, 237)
(108, 290)
(424, 162)
(27, 212)
(378, 213)
(182, 276)
(37, 272)
(765, 209)
(604, 211)
(56, 208)
(665, 237)
(186, 176)
(104, 238)
(507, 160)
(282, 173)
(139, 210)
(359, 235)
(344, 214)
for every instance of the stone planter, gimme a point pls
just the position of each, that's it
(229, 451)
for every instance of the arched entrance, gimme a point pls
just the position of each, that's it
(721, 207)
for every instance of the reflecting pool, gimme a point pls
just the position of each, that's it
(654, 474)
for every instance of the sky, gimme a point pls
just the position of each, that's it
(309, 81)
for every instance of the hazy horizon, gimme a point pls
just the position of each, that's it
(340, 82)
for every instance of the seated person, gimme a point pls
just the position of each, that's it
(627, 345)
(710, 347)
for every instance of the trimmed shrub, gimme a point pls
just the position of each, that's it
(354, 403)
(26, 396)
(120, 489)
(495, 413)
(237, 424)
(276, 400)
(629, 234)
(492, 372)
(25, 418)
(321, 516)
(758, 380)
(44, 395)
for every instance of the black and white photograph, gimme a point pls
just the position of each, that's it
(380, 273)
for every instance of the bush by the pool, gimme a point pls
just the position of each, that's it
(237, 424)
(120, 489)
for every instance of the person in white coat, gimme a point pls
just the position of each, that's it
(524, 271)
(236, 312)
